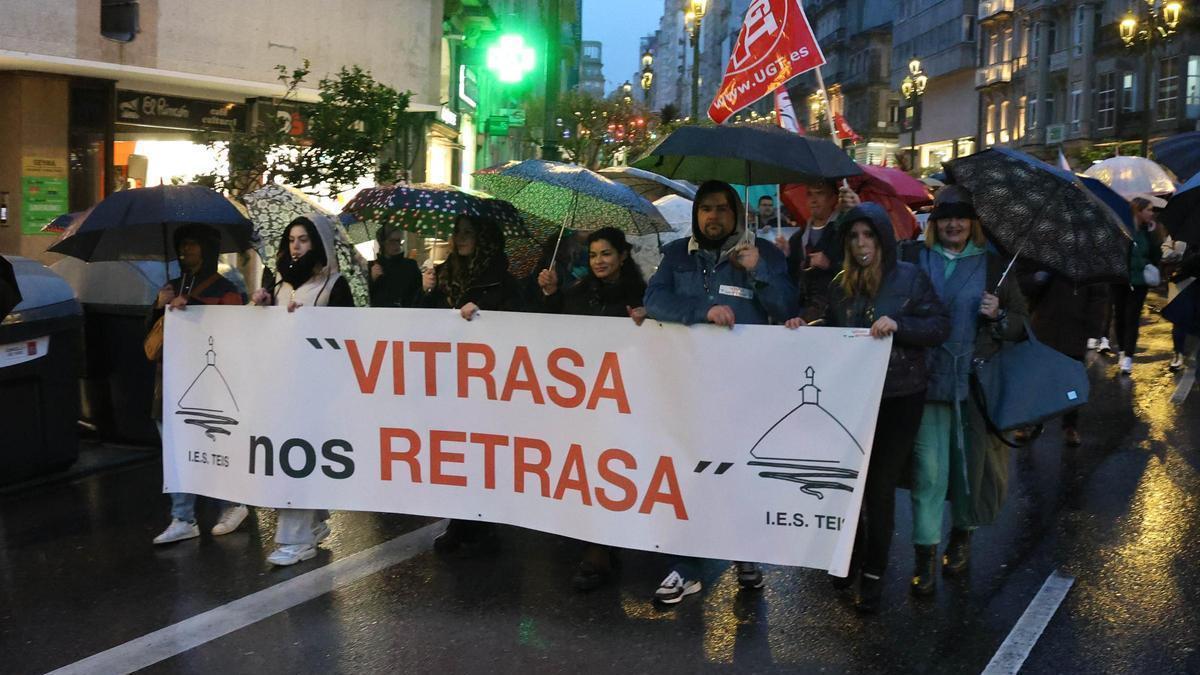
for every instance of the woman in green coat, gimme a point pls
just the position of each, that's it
(954, 454)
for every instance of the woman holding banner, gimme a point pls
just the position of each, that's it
(473, 278)
(954, 454)
(890, 298)
(612, 287)
(308, 276)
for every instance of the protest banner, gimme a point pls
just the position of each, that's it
(742, 444)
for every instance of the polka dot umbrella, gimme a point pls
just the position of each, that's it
(427, 209)
(431, 210)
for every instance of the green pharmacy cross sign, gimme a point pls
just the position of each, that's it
(510, 58)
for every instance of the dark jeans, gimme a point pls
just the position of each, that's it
(895, 430)
(1178, 337)
(1127, 312)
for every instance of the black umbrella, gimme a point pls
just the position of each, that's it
(10, 294)
(759, 154)
(140, 224)
(1182, 215)
(1180, 154)
(1045, 214)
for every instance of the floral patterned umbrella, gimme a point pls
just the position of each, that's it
(272, 207)
(427, 209)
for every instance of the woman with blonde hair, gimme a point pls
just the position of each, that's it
(893, 298)
(953, 452)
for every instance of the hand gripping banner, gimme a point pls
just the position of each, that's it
(776, 44)
(743, 444)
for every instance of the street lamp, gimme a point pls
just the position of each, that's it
(647, 74)
(627, 92)
(913, 88)
(692, 20)
(1154, 21)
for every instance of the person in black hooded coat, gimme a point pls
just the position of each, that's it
(612, 287)
(473, 278)
(878, 291)
(395, 278)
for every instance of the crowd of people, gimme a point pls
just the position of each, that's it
(939, 298)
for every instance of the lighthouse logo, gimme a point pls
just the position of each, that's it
(209, 402)
(788, 450)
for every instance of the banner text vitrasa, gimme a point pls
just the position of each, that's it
(607, 478)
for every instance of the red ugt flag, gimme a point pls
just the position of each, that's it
(775, 45)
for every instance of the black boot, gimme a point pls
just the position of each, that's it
(925, 570)
(958, 553)
(870, 591)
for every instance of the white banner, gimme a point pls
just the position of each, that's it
(744, 444)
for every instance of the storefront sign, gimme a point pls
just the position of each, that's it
(516, 116)
(468, 86)
(176, 112)
(589, 427)
(290, 118)
(44, 193)
(16, 353)
(496, 126)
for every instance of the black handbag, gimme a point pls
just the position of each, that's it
(1027, 383)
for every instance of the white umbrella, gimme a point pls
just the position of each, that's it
(677, 211)
(1131, 176)
(648, 184)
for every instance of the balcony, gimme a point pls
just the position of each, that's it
(994, 10)
(1059, 60)
(997, 73)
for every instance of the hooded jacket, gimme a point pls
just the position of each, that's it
(326, 288)
(905, 295)
(690, 279)
(489, 284)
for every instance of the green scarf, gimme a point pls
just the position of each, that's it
(971, 249)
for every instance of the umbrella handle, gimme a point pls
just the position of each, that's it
(557, 242)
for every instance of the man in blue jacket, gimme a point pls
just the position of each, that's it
(720, 275)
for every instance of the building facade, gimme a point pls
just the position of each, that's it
(942, 36)
(591, 79)
(856, 38)
(84, 115)
(1057, 75)
(672, 61)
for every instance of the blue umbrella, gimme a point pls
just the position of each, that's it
(1045, 214)
(1180, 154)
(1181, 216)
(140, 224)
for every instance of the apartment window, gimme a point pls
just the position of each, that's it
(1019, 129)
(1035, 40)
(1008, 44)
(1051, 36)
(990, 125)
(1050, 116)
(1003, 121)
(1031, 114)
(968, 29)
(993, 50)
(1106, 101)
(1076, 105)
(893, 117)
(1168, 89)
(1077, 30)
(1128, 93)
(1192, 90)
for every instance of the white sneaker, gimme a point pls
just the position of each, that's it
(178, 530)
(1176, 362)
(1093, 344)
(1126, 365)
(321, 532)
(230, 519)
(291, 554)
(1104, 346)
(675, 587)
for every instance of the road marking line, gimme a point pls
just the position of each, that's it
(178, 638)
(1016, 647)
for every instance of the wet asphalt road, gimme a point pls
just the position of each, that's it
(1120, 514)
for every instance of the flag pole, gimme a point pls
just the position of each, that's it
(833, 136)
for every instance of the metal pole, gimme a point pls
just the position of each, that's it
(1147, 69)
(553, 37)
(696, 72)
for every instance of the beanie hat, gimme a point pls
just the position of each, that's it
(953, 201)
